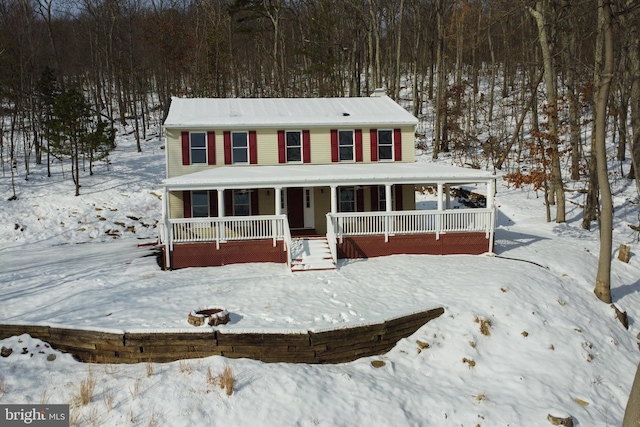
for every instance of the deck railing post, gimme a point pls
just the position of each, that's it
(386, 227)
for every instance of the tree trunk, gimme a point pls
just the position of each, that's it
(603, 276)
(440, 81)
(523, 115)
(632, 412)
(632, 33)
(556, 193)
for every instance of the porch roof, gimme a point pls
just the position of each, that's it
(338, 174)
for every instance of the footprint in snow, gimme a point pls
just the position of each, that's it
(336, 302)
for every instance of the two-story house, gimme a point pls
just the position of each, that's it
(275, 179)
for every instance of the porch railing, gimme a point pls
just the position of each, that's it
(411, 222)
(332, 239)
(192, 230)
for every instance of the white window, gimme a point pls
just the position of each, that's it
(347, 199)
(199, 204)
(345, 145)
(294, 146)
(198, 147)
(385, 145)
(241, 203)
(240, 147)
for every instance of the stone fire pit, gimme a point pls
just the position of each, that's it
(213, 317)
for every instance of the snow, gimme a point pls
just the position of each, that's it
(551, 341)
(273, 112)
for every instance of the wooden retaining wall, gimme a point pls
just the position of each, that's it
(330, 346)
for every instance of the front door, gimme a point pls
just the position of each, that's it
(295, 207)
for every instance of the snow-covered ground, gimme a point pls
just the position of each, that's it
(553, 347)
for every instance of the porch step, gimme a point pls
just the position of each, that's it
(310, 254)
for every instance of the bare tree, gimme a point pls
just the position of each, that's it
(557, 190)
(603, 276)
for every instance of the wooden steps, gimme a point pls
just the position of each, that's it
(311, 254)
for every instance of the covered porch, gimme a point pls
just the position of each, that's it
(362, 210)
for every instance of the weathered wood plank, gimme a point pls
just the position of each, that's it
(135, 338)
(423, 316)
(40, 332)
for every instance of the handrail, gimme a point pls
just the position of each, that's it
(287, 239)
(412, 222)
(216, 229)
(332, 239)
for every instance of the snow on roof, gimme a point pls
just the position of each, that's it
(340, 174)
(263, 112)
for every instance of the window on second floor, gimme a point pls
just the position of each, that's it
(294, 146)
(198, 147)
(385, 145)
(345, 145)
(240, 147)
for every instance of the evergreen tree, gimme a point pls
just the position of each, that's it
(72, 133)
(100, 143)
(47, 91)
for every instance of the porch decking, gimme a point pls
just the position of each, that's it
(267, 238)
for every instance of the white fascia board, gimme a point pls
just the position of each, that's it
(240, 177)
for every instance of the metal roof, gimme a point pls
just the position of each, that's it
(275, 112)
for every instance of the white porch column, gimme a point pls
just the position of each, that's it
(220, 229)
(278, 196)
(387, 198)
(221, 209)
(440, 196)
(447, 192)
(334, 199)
(168, 230)
(490, 191)
(491, 205)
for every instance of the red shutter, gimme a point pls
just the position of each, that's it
(186, 160)
(375, 201)
(211, 148)
(213, 203)
(373, 135)
(358, 145)
(397, 144)
(306, 146)
(398, 194)
(254, 203)
(360, 200)
(334, 145)
(282, 148)
(227, 148)
(253, 147)
(228, 202)
(186, 203)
